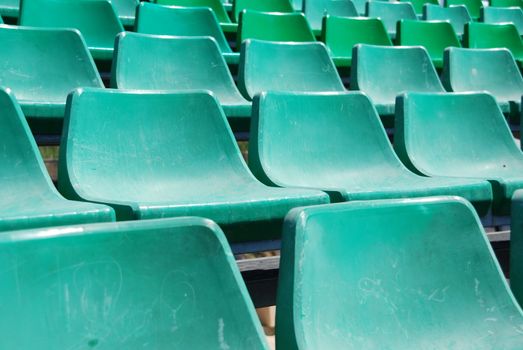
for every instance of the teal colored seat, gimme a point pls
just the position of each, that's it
(42, 66)
(457, 15)
(506, 3)
(10, 8)
(126, 10)
(315, 10)
(340, 34)
(390, 13)
(516, 246)
(434, 36)
(297, 5)
(491, 70)
(335, 142)
(176, 156)
(177, 21)
(159, 284)
(262, 6)
(393, 274)
(29, 198)
(459, 135)
(504, 15)
(147, 62)
(418, 5)
(473, 6)
(95, 19)
(406, 69)
(304, 67)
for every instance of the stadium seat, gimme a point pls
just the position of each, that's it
(315, 10)
(459, 135)
(457, 15)
(261, 6)
(176, 156)
(473, 6)
(147, 62)
(504, 15)
(506, 3)
(273, 27)
(336, 143)
(158, 284)
(390, 13)
(296, 67)
(491, 70)
(297, 5)
(178, 21)
(418, 5)
(392, 274)
(486, 36)
(516, 246)
(126, 10)
(29, 198)
(10, 8)
(434, 36)
(340, 34)
(42, 66)
(96, 20)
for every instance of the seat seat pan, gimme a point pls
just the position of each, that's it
(231, 57)
(37, 109)
(237, 110)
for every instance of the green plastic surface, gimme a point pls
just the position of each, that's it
(516, 246)
(42, 66)
(394, 274)
(434, 36)
(268, 66)
(384, 72)
(390, 13)
(9, 8)
(177, 21)
(262, 6)
(297, 5)
(457, 15)
(504, 15)
(29, 198)
(491, 70)
(418, 4)
(473, 141)
(473, 6)
(340, 34)
(156, 284)
(147, 62)
(315, 10)
(95, 19)
(176, 156)
(126, 10)
(506, 3)
(335, 142)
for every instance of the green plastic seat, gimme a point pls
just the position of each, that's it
(390, 13)
(147, 62)
(457, 15)
(491, 70)
(340, 34)
(459, 135)
(504, 15)
(506, 3)
(42, 66)
(126, 10)
(159, 284)
(177, 21)
(29, 198)
(216, 5)
(516, 246)
(418, 5)
(434, 36)
(296, 67)
(262, 6)
(315, 10)
(335, 142)
(384, 72)
(297, 5)
(392, 274)
(95, 19)
(176, 156)
(473, 6)
(9, 8)
(274, 27)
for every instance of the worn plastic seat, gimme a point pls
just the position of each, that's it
(435, 36)
(9, 8)
(42, 66)
(504, 15)
(164, 20)
(516, 246)
(297, 67)
(126, 10)
(460, 135)
(457, 15)
(335, 142)
(418, 5)
(96, 20)
(176, 156)
(390, 13)
(158, 284)
(473, 6)
(147, 62)
(262, 6)
(315, 10)
(406, 274)
(506, 3)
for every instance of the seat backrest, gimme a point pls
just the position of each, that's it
(506, 3)
(9, 8)
(395, 274)
(125, 285)
(390, 13)
(215, 5)
(297, 67)
(274, 26)
(516, 245)
(179, 21)
(457, 15)
(316, 9)
(263, 6)
(44, 65)
(504, 15)
(418, 4)
(485, 36)
(126, 10)
(492, 70)
(384, 72)
(473, 6)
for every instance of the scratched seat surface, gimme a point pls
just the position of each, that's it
(157, 284)
(410, 274)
